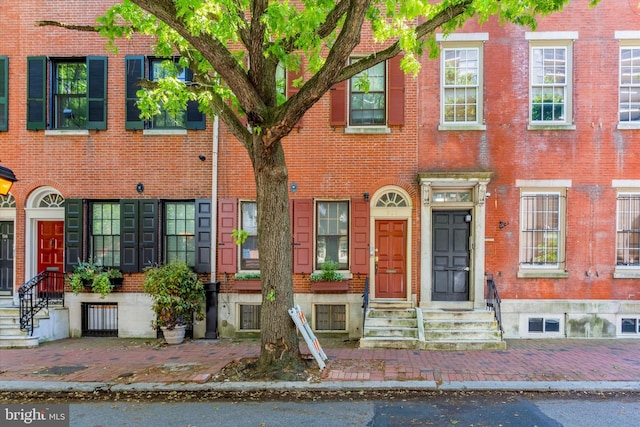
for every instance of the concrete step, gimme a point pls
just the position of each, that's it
(390, 332)
(461, 335)
(461, 345)
(389, 342)
(457, 314)
(380, 322)
(409, 313)
(18, 341)
(460, 324)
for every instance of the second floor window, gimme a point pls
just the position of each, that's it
(76, 98)
(141, 67)
(332, 235)
(367, 102)
(630, 84)
(460, 91)
(548, 84)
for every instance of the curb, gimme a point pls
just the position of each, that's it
(514, 386)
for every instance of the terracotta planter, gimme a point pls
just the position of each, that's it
(248, 285)
(175, 335)
(330, 287)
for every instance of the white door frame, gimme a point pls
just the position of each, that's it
(382, 208)
(476, 182)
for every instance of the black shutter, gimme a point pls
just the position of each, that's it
(4, 86)
(134, 72)
(203, 235)
(36, 92)
(129, 236)
(73, 227)
(195, 118)
(148, 233)
(97, 92)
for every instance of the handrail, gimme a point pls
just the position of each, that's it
(493, 301)
(47, 287)
(365, 302)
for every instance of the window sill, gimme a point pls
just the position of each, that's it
(367, 129)
(629, 126)
(626, 273)
(542, 274)
(152, 132)
(541, 126)
(461, 127)
(67, 132)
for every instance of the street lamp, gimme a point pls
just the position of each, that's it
(7, 178)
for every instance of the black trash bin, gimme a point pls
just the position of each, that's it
(212, 289)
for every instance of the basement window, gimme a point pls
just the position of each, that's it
(249, 317)
(630, 326)
(99, 319)
(541, 325)
(330, 317)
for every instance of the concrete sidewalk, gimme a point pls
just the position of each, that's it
(88, 364)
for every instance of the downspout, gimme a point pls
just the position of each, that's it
(214, 197)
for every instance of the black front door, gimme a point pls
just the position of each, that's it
(6, 258)
(450, 256)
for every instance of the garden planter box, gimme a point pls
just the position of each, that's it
(330, 287)
(248, 285)
(115, 282)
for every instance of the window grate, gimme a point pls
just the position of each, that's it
(249, 317)
(99, 319)
(330, 317)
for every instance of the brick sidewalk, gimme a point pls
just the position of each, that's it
(127, 361)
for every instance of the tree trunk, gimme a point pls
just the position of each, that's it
(278, 332)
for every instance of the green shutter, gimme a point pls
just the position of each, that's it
(134, 72)
(4, 88)
(97, 92)
(203, 235)
(148, 214)
(73, 232)
(129, 236)
(195, 118)
(36, 92)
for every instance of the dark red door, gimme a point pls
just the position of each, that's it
(391, 260)
(50, 250)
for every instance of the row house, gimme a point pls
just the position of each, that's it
(495, 195)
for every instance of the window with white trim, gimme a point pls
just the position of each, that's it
(180, 230)
(628, 230)
(630, 325)
(367, 89)
(550, 78)
(332, 233)
(542, 229)
(105, 233)
(629, 110)
(249, 258)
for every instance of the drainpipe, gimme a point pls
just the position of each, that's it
(214, 197)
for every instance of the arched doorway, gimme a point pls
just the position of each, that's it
(391, 210)
(44, 234)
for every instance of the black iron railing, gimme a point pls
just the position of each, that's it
(40, 291)
(493, 301)
(365, 302)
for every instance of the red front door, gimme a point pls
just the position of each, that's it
(391, 260)
(50, 246)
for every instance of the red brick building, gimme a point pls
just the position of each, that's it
(509, 157)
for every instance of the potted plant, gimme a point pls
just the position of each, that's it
(178, 297)
(89, 274)
(248, 281)
(328, 279)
